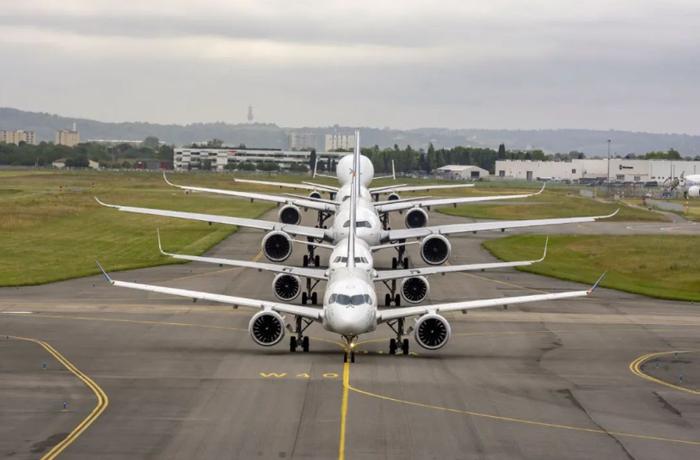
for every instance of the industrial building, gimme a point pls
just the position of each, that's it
(17, 136)
(301, 141)
(461, 172)
(187, 158)
(620, 169)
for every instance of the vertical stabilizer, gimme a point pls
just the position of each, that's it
(354, 193)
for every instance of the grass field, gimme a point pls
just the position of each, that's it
(52, 229)
(554, 202)
(657, 266)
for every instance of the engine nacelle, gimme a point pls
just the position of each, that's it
(289, 214)
(435, 249)
(416, 218)
(315, 195)
(432, 331)
(286, 287)
(414, 289)
(266, 328)
(277, 246)
(694, 191)
(393, 196)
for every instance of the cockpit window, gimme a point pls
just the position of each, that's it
(359, 224)
(343, 259)
(342, 299)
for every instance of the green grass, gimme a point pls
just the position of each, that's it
(553, 203)
(658, 266)
(52, 229)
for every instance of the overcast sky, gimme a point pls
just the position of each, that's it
(602, 64)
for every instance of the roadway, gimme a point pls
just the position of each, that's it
(552, 380)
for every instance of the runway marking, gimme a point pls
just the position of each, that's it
(344, 411)
(523, 421)
(636, 368)
(102, 399)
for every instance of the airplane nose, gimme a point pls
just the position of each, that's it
(348, 321)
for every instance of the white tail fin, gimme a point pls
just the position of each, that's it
(354, 193)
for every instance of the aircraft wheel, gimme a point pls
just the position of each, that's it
(397, 300)
(345, 357)
(304, 298)
(387, 300)
(292, 344)
(305, 261)
(405, 346)
(314, 298)
(394, 263)
(405, 262)
(352, 356)
(317, 261)
(305, 344)
(392, 346)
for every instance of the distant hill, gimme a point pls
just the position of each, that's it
(591, 142)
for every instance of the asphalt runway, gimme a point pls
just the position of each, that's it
(172, 379)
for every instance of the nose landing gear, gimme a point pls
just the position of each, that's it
(349, 354)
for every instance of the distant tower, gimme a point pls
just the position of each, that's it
(250, 114)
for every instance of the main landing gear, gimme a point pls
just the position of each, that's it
(299, 340)
(310, 296)
(400, 261)
(311, 258)
(399, 343)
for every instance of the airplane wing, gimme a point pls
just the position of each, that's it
(302, 186)
(421, 232)
(416, 188)
(314, 273)
(384, 275)
(408, 203)
(396, 313)
(301, 202)
(315, 314)
(377, 204)
(325, 188)
(301, 230)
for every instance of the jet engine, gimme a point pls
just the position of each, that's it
(289, 214)
(435, 249)
(286, 287)
(416, 217)
(414, 289)
(393, 197)
(277, 246)
(432, 331)
(694, 191)
(316, 195)
(266, 328)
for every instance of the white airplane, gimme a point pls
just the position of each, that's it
(434, 246)
(350, 303)
(413, 287)
(691, 184)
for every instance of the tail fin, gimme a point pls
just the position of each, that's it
(354, 193)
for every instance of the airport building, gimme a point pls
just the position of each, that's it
(621, 170)
(187, 158)
(17, 136)
(339, 141)
(68, 137)
(461, 172)
(301, 141)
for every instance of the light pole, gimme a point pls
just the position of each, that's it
(609, 141)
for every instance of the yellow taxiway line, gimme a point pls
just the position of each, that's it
(636, 368)
(102, 399)
(344, 410)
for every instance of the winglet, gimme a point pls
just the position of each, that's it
(160, 246)
(313, 176)
(544, 184)
(105, 204)
(595, 286)
(546, 243)
(611, 215)
(165, 178)
(109, 280)
(393, 170)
